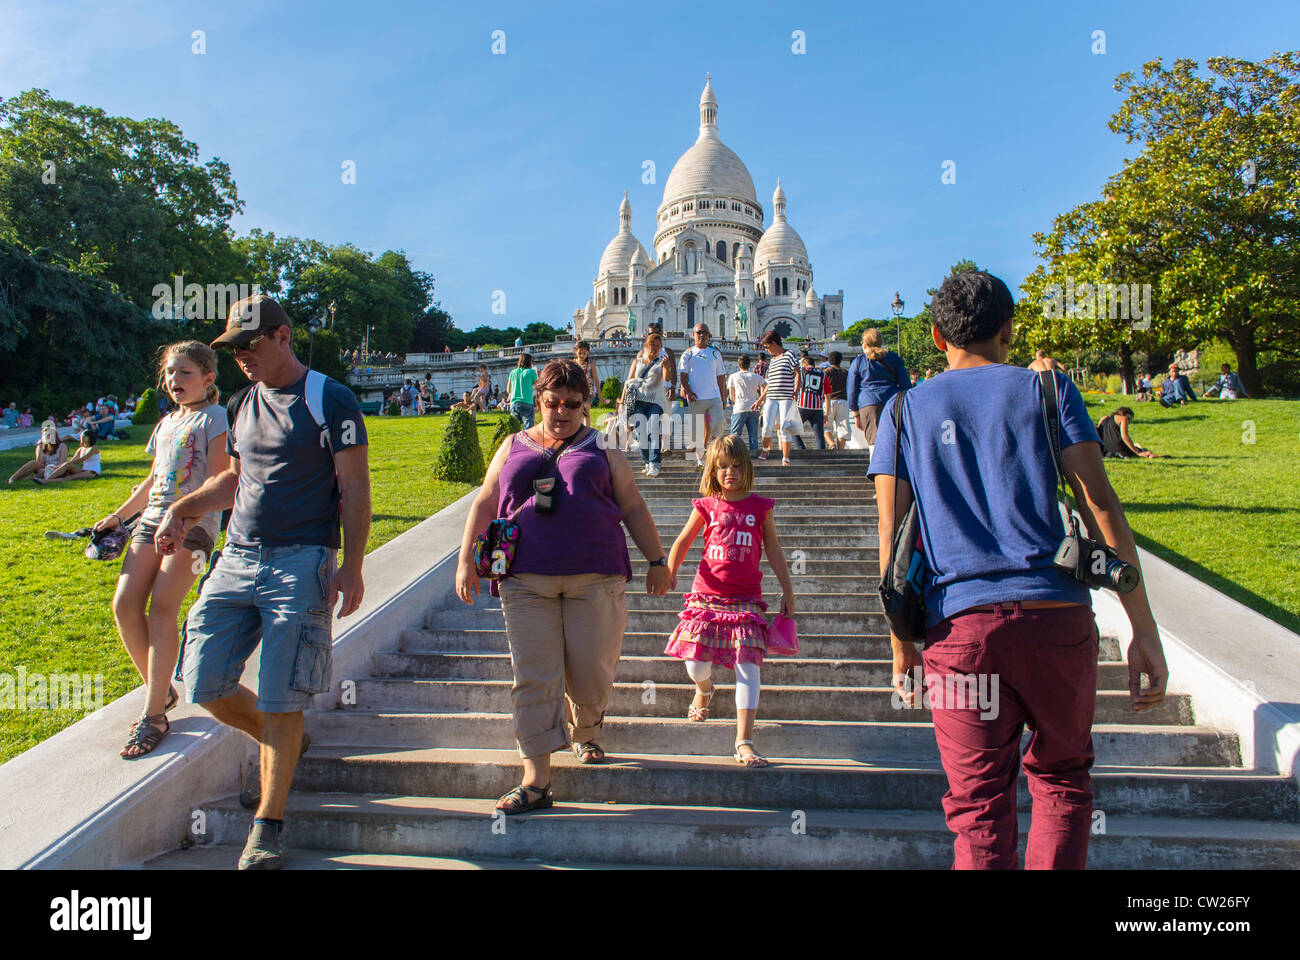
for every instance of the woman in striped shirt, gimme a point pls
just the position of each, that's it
(776, 399)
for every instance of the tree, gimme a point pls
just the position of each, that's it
(1205, 214)
(64, 334)
(124, 199)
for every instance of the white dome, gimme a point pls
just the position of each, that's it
(640, 258)
(709, 166)
(620, 251)
(811, 300)
(780, 242)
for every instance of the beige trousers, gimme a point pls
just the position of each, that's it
(565, 636)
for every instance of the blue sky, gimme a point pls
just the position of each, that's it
(504, 172)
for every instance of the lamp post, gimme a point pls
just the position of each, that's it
(896, 308)
(313, 327)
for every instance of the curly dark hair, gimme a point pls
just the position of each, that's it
(971, 307)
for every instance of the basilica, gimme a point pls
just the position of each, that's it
(714, 261)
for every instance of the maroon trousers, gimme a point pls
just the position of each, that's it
(1045, 664)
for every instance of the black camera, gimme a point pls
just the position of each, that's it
(1095, 564)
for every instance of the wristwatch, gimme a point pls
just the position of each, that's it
(661, 562)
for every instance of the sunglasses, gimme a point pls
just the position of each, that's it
(567, 404)
(251, 345)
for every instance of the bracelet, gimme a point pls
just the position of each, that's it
(119, 519)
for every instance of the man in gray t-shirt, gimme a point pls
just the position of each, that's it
(298, 464)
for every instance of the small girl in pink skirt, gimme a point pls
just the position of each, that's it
(723, 622)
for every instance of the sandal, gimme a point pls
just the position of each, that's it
(753, 760)
(172, 698)
(589, 752)
(145, 736)
(517, 801)
(701, 713)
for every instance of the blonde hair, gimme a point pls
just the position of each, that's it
(203, 357)
(871, 344)
(729, 447)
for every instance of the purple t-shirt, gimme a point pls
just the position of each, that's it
(976, 453)
(584, 534)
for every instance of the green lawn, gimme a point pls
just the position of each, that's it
(55, 614)
(1222, 506)
(1218, 507)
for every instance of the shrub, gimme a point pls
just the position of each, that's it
(1114, 383)
(611, 389)
(460, 458)
(146, 408)
(507, 425)
(394, 408)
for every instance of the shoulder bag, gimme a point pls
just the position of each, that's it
(902, 585)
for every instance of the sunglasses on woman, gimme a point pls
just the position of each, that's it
(567, 404)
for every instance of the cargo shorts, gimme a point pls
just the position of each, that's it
(272, 595)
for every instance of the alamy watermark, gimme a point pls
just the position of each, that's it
(952, 691)
(56, 691)
(1113, 301)
(196, 301)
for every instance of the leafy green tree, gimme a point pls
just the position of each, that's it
(1206, 214)
(127, 200)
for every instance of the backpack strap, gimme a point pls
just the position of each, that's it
(899, 399)
(1051, 410)
(314, 394)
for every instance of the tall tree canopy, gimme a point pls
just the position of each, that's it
(1205, 214)
(124, 199)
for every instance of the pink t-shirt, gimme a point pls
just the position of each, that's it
(733, 546)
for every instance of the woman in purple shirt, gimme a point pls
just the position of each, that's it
(564, 597)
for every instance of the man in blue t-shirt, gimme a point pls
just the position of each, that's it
(298, 463)
(1001, 619)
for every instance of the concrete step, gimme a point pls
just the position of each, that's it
(724, 837)
(672, 699)
(889, 742)
(810, 601)
(849, 560)
(826, 508)
(651, 643)
(788, 671)
(224, 856)
(664, 620)
(802, 783)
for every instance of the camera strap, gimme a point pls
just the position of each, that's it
(1051, 410)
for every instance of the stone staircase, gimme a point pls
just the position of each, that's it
(408, 777)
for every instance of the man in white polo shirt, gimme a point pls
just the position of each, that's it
(703, 379)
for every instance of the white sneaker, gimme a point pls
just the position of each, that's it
(654, 470)
(645, 471)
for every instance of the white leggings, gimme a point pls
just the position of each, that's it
(746, 681)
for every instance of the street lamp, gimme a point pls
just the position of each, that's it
(897, 309)
(314, 326)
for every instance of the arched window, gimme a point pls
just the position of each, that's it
(690, 310)
(722, 251)
(735, 249)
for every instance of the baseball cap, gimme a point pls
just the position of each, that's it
(252, 317)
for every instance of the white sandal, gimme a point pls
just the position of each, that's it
(701, 713)
(753, 760)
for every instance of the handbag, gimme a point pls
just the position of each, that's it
(902, 584)
(495, 548)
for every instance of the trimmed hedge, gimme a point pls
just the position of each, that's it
(394, 408)
(506, 426)
(146, 408)
(611, 389)
(460, 458)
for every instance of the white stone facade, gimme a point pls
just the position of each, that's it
(714, 261)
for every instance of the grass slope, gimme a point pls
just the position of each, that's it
(55, 614)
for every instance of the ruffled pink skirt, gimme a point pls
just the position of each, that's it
(721, 630)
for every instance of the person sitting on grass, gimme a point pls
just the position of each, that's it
(1144, 387)
(1115, 438)
(82, 465)
(1176, 389)
(50, 454)
(1228, 386)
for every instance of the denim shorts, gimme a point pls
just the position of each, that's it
(272, 595)
(196, 538)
